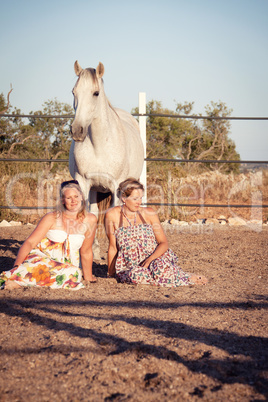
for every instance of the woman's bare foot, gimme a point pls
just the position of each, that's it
(10, 285)
(91, 279)
(198, 279)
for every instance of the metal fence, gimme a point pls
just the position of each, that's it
(146, 159)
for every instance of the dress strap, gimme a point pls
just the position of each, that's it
(141, 218)
(123, 214)
(121, 218)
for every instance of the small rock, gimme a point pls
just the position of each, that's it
(4, 223)
(173, 221)
(182, 223)
(13, 223)
(210, 221)
(201, 221)
(166, 222)
(222, 220)
(176, 222)
(236, 221)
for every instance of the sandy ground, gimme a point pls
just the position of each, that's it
(115, 342)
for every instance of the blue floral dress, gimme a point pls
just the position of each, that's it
(53, 263)
(136, 243)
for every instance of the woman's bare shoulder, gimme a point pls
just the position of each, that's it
(148, 212)
(91, 218)
(49, 217)
(113, 213)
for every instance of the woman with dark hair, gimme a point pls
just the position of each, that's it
(50, 256)
(138, 248)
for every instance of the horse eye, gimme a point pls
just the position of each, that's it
(96, 93)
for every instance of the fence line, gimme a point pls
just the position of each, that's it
(175, 116)
(145, 159)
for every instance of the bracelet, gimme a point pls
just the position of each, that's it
(15, 266)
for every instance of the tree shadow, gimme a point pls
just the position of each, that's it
(10, 246)
(230, 370)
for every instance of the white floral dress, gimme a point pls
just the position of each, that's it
(53, 263)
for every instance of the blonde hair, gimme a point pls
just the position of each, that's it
(81, 214)
(127, 186)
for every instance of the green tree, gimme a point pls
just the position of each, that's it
(35, 138)
(186, 138)
(13, 131)
(52, 134)
(5, 123)
(214, 142)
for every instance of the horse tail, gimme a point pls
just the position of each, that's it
(104, 201)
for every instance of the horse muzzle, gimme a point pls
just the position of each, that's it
(78, 133)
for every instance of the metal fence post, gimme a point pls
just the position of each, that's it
(142, 124)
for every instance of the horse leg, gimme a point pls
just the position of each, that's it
(93, 202)
(94, 210)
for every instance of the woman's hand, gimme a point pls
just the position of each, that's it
(86, 252)
(145, 263)
(153, 219)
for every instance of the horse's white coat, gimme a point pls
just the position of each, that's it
(106, 147)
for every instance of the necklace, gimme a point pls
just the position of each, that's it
(135, 217)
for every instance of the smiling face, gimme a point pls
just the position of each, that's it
(134, 200)
(72, 199)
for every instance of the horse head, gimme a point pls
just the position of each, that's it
(86, 92)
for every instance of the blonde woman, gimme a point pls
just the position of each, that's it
(138, 248)
(51, 254)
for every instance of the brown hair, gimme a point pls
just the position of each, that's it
(72, 184)
(127, 186)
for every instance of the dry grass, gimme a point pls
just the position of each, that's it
(33, 189)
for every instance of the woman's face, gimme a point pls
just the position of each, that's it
(72, 199)
(134, 200)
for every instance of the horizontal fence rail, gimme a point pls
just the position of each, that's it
(146, 159)
(178, 116)
(174, 116)
(200, 161)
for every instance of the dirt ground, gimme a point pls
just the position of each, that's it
(117, 342)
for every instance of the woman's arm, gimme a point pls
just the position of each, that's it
(37, 235)
(160, 236)
(86, 252)
(112, 248)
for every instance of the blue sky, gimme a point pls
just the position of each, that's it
(173, 50)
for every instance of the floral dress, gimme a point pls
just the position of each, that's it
(136, 243)
(53, 263)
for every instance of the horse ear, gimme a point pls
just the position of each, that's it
(100, 70)
(77, 68)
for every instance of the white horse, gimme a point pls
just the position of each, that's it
(106, 147)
